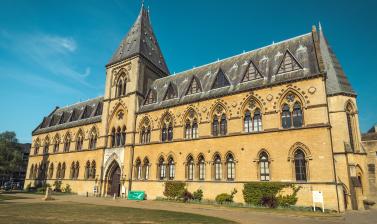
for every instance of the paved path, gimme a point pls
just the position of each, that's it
(240, 215)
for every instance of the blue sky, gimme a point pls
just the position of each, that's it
(53, 53)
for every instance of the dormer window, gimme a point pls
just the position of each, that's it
(252, 73)
(220, 81)
(151, 97)
(288, 64)
(194, 86)
(171, 92)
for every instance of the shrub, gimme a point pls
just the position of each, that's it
(174, 189)
(225, 198)
(265, 194)
(186, 195)
(67, 189)
(57, 186)
(198, 195)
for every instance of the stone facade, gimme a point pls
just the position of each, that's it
(151, 127)
(369, 141)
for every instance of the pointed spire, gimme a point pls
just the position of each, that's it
(140, 40)
(319, 26)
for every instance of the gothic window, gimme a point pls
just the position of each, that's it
(56, 144)
(217, 167)
(286, 120)
(31, 171)
(220, 81)
(300, 165)
(230, 165)
(223, 125)
(171, 92)
(146, 169)
(138, 169)
(164, 133)
(288, 64)
(58, 171)
(113, 137)
(87, 170)
(93, 170)
(297, 115)
(188, 130)
(119, 88)
(251, 73)
(195, 129)
(118, 136)
(247, 122)
(93, 139)
(36, 147)
(219, 122)
(215, 126)
(72, 173)
(194, 86)
(167, 129)
(145, 135)
(77, 169)
(291, 112)
(67, 143)
(46, 145)
(124, 87)
(51, 171)
(151, 97)
(201, 167)
(35, 173)
(123, 136)
(190, 168)
(264, 169)
(161, 168)
(350, 125)
(62, 173)
(171, 166)
(79, 141)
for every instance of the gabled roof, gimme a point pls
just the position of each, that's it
(337, 82)
(140, 40)
(70, 116)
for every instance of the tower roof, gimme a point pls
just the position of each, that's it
(140, 40)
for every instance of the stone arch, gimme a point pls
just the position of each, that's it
(249, 104)
(188, 156)
(80, 132)
(113, 186)
(350, 107)
(145, 118)
(121, 73)
(200, 155)
(116, 109)
(166, 114)
(218, 107)
(214, 156)
(286, 93)
(303, 147)
(112, 158)
(188, 111)
(263, 150)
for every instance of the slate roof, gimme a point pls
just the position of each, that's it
(267, 60)
(74, 115)
(140, 40)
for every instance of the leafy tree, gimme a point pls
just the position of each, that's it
(10, 153)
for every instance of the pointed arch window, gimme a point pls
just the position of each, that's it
(350, 125)
(93, 140)
(77, 170)
(36, 147)
(46, 146)
(286, 120)
(248, 124)
(56, 144)
(171, 165)
(87, 170)
(67, 143)
(51, 171)
(264, 169)
(223, 125)
(113, 143)
(118, 136)
(202, 168)
(79, 142)
(220, 81)
(164, 133)
(231, 169)
(300, 165)
(161, 168)
(297, 115)
(62, 173)
(119, 90)
(138, 169)
(215, 126)
(31, 171)
(146, 169)
(123, 136)
(190, 168)
(93, 170)
(217, 167)
(58, 171)
(170, 132)
(72, 173)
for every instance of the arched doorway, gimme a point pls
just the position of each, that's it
(113, 179)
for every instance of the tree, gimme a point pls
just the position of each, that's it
(10, 154)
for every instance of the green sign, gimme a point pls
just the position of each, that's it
(136, 195)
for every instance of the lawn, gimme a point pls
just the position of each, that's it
(67, 212)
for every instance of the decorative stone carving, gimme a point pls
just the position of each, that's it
(290, 97)
(312, 90)
(120, 115)
(269, 97)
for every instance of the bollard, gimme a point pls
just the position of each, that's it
(114, 197)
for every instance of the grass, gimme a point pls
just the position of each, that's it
(7, 197)
(67, 212)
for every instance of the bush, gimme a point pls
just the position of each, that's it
(67, 189)
(57, 186)
(225, 198)
(186, 195)
(269, 201)
(198, 195)
(265, 194)
(174, 189)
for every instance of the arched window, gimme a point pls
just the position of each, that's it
(118, 137)
(119, 91)
(257, 120)
(56, 144)
(297, 115)
(264, 169)
(51, 171)
(286, 117)
(138, 169)
(164, 133)
(31, 172)
(123, 136)
(191, 126)
(190, 168)
(77, 170)
(79, 141)
(188, 130)
(170, 132)
(300, 165)
(146, 169)
(58, 171)
(62, 173)
(36, 147)
(171, 165)
(161, 168)
(217, 167)
(223, 125)
(124, 87)
(195, 129)
(247, 122)
(93, 170)
(215, 126)
(67, 143)
(113, 137)
(350, 125)
(230, 167)
(87, 170)
(72, 173)
(145, 136)
(46, 145)
(93, 140)
(202, 168)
